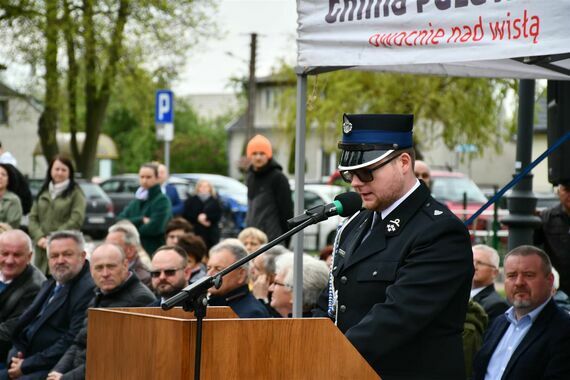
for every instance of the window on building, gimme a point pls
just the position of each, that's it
(3, 112)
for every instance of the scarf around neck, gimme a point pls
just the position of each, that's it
(56, 189)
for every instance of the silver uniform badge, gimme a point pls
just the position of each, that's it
(393, 225)
(347, 127)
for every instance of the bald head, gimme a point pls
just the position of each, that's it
(109, 267)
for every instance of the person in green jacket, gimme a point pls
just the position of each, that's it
(60, 205)
(150, 211)
(10, 205)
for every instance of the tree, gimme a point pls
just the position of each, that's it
(101, 37)
(457, 110)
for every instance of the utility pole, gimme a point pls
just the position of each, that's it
(249, 116)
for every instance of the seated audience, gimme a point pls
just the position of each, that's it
(558, 295)
(126, 236)
(252, 238)
(10, 204)
(531, 340)
(234, 291)
(176, 228)
(47, 328)
(20, 282)
(315, 279)
(169, 272)
(262, 274)
(486, 262)
(196, 250)
(116, 286)
(476, 322)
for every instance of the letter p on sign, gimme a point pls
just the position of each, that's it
(164, 107)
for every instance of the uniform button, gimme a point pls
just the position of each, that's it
(343, 280)
(342, 308)
(375, 273)
(334, 268)
(428, 204)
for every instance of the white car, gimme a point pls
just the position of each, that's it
(318, 236)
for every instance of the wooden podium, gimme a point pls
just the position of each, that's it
(149, 343)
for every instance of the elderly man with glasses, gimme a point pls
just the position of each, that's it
(402, 266)
(486, 262)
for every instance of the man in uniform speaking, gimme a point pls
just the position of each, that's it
(403, 265)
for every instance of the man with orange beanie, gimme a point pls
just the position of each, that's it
(270, 203)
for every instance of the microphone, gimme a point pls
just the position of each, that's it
(344, 204)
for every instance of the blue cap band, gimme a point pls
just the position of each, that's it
(368, 136)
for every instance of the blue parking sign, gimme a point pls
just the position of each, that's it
(164, 110)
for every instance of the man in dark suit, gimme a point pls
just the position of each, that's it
(234, 291)
(47, 328)
(486, 262)
(117, 286)
(402, 266)
(19, 283)
(532, 339)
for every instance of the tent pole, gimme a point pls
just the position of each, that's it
(300, 132)
(522, 201)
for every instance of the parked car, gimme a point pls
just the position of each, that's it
(318, 236)
(99, 211)
(233, 197)
(463, 197)
(121, 189)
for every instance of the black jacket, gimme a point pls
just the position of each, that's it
(193, 207)
(270, 203)
(132, 293)
(403, 292)
(44, 340)
(16, 298)
(242, 302)
(554, 236)
(492, 302)
(544, 352)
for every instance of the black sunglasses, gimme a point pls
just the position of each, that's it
(363, 174)
(167, 272)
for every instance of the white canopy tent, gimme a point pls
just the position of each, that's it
(524, 39)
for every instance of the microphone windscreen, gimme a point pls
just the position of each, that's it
(351, 203)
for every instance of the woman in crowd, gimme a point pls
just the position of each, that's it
(196, 250)
(60, 205)
(253, 238)
(204, 212)
(315, 279)
(10, 205)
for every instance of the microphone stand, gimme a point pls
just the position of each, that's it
(194, 296)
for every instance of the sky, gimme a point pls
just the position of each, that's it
(215, 61)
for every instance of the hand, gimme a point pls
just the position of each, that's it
(15, 370)
(54, 376)
(203, 220)
(146, 219)
(261, 287)
(42, 243)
